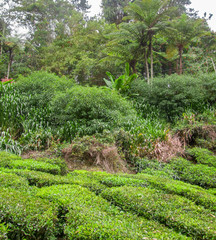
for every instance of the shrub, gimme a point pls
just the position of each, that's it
(6, 158)
(56, 161)
(91, 217)
(172, 210)
(42, 179)
(41, 86)
(27, 217)
(209, 85)
(212, 191)
(94, 109)
(203, 156)
(172, 95)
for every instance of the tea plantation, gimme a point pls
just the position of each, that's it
(40, 199)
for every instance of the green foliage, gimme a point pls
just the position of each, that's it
(35, 165)
(50, 166)
(173, 95)
(6, 158)
(122, 83)
(103, 110)
(90, 216)
(173, 211)
(27, 216)
(195, 174)
(41, 86)
(197, 194)
(12, 180)
(3, 231)
(12, 106)
(7, 143)
(203, 156)
(212, 191)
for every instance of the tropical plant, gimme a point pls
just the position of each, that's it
(122, 83)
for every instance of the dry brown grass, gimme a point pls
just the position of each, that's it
(166, 150)
(96, 156)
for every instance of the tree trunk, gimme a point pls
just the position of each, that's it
(180, 59)
(151, 54)
(213, 64)
(9, 63)
(133, 65)
(2, 41)
(170, 68)
(147, 67)
(177, 66)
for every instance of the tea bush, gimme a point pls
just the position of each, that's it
(91, 217)
(12, 180)
(199, 174)
(42, 179)
(197, 194)
(27, 217)
(35, 165)
(172, 210)
(203, 156)
(3, 231)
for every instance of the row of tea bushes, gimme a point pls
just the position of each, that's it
(203, 156)
(26, 216)
(197, 194)
(198, 174)
(184, 170)
(174, 211)
(53, 166)
(42, 179)
(91, 217)
(12, 180)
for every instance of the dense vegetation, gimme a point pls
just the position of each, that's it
(131, 93)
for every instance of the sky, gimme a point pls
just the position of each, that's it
(208, 6)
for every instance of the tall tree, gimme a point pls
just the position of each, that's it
(127, 44)
(181, 32)
(152, 14)
(113, 10)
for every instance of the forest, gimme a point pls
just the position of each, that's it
(107, 123)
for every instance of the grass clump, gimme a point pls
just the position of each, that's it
(174, 211)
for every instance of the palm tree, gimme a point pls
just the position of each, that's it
(127, 43)
(152, 14)
(181, 32)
